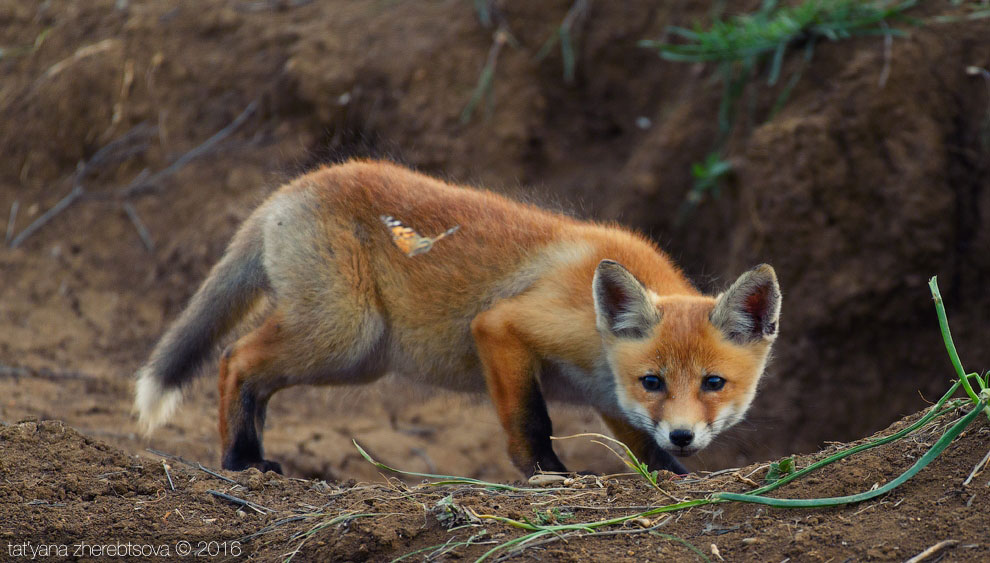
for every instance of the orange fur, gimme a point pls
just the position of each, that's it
(505, 304)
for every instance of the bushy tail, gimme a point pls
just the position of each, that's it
(224, 298)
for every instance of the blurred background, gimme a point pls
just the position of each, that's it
(846, 143)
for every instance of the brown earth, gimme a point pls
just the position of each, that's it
(856, 191)
(67, 496)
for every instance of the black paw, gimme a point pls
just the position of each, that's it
(268, 465)
(262, 465)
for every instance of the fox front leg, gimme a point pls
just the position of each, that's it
(510, 369)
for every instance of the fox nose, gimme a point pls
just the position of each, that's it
(681, 438)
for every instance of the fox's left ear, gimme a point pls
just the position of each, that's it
(750, 309)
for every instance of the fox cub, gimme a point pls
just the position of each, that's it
(506, 298)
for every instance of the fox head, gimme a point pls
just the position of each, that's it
(685, 367)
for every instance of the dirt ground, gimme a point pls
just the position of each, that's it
(70, 492)
(870, 180)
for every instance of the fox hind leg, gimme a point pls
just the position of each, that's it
(249, 376)
(279, 354)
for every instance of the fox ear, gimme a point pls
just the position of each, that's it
(749, 310)
(622, 305)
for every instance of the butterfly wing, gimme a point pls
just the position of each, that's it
(408, 240)
(403, 237)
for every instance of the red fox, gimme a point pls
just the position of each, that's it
(518, 301)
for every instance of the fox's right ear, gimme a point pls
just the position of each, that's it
(622, 306)
(750, 309)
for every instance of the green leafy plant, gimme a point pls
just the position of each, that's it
(779, 470)
(772, 29)
(451, 514)
(551, 516)
(740, 44)
(708, 175)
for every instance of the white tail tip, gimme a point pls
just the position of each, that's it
(153, 403)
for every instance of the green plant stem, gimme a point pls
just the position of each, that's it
(950, 347)
(935, 411)
(930, 455)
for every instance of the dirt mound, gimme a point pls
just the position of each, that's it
(857, 192)
(68, 495)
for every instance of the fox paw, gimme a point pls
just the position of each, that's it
(267, 465)
(262, 465)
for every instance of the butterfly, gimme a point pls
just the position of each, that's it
(408, 240)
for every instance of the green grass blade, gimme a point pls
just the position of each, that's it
(950, 346)
(453, 479)
(511, 543)
(687, 544)
(568, 55)
(547, 46)
(483, 88)
(778, 60)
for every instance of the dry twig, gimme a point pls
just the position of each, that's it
(739, 477)
(977, 469)
(143, 185)
(932, 551)
(124, 147)
(196, 465)
(121, 148)
(10, 221)
(43, 373)
(244, 503)
(167, 474)
(132, 214)
(70, 198)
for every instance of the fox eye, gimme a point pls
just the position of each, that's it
(712, 383)
(653, 383)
